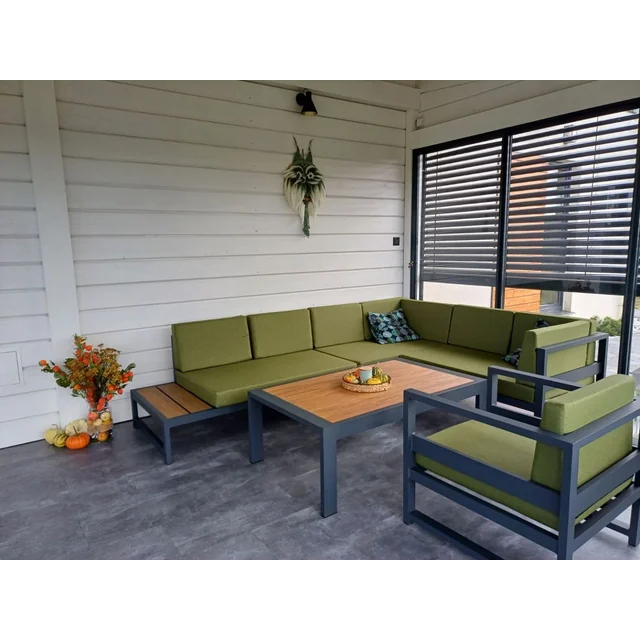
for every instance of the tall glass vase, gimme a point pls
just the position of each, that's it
(100, 422)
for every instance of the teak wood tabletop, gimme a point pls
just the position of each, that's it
(324, 396)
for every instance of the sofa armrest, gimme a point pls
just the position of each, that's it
(598, 368)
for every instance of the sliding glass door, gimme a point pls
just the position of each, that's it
(541, 218)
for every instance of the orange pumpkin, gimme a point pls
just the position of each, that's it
(79, 441)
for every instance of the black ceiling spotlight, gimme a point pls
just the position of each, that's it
(305, 101)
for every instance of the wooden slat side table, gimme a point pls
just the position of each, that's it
(171, 406)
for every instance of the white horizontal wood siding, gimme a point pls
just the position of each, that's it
(176, 210)
(443, 101)
(452, 110)
(26, 409)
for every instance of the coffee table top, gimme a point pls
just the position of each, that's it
(324, 397)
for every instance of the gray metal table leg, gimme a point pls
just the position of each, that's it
(256, 440)
(168, 453)
(134, 413)
(328, 475)
(634, 525)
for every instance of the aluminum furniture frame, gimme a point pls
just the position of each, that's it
(567, 503)
(163, 444)
(598, 369)
(331, 432)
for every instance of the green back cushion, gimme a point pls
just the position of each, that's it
(377, 306)
(481, 328)
(574, 410)
(523, 322)
(336, 324)
(282, 332)
(430, 320)
(210, 343)
(559, 361)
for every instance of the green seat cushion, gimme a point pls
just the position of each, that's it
(455, 358)
(503, 450)
(430, 320)
(481, 328)
(210, 343)
(336, 324)
(441, 355)
(377, 306)
(273, 334)
(229, 384)
(366, 352)
(574, 410)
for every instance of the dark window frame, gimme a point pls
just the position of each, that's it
(507, 133)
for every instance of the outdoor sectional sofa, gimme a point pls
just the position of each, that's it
(221, 360)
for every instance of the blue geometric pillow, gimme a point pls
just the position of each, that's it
(388, 328)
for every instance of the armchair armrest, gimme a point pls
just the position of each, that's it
(598, 368)
(575, 342)
(413, 397)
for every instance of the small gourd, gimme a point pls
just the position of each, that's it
(60, 440)
(78, 441)
(50, 434)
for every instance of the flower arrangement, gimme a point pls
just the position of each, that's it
(92, 373)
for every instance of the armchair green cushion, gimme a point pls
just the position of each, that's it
(229, 384)
(273, 334)
(377, 306)
(574, 410)
(503, 450)
(430, 320)
(210, 343)
(336, 324)
(481, 328)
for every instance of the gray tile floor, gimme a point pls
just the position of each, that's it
(119, 501)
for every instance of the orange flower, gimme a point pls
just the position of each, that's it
(43, 363)
(109, 396)
(85, 361)
(110, 387)
(119, 392)
(77, 387)
(87, 347)
(56, 368)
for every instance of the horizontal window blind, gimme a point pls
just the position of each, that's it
(460, 203)
(570, 199)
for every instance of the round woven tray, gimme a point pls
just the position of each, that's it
(366, 388)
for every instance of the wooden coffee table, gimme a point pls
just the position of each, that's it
(321, 403)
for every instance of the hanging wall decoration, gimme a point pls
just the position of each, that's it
(304, 186)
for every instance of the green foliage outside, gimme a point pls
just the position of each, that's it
(608, 325)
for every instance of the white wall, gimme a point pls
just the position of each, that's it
(451, 110)
(28, 407)
(176, 213)
(586, 305)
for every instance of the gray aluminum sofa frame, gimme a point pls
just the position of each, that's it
(567, 503)
(598, 369)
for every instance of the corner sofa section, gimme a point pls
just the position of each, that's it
(221, 360)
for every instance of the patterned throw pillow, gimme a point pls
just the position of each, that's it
(513, 358)
(391, 327)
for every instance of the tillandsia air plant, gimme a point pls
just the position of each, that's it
(93, 373)
(304, 187)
